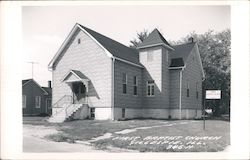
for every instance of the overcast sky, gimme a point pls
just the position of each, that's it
(45, 28)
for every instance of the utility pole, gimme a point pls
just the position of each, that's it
(32, 63)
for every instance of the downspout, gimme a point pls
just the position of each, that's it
(180, 98)
(112, 88)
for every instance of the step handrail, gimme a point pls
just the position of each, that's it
(66, 99)
(67, 107)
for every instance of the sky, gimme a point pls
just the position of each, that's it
(46, 27)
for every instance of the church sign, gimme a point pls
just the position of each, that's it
(213, 94)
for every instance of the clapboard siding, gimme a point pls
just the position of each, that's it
(174, 95)
(31, 90)
(89, 58)
(165, 78)
(191, 75)
(128, 100)
(155, 70)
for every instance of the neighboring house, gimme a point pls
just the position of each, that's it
(36, 100)
(97, 77)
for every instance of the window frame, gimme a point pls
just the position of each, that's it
(150, 56)
(79, 41)
(188, 91)
(24, 99)
(166, 58)
(150, 88)
(39, 102)
(124, 83)
(135, 86)
(123, 112)
(197, 92)
(92, 113)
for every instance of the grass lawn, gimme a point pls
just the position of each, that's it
(152, 135)
(179, 138)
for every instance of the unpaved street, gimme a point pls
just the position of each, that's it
(34, 141)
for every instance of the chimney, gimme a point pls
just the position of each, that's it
(191, 40)
(49, 84)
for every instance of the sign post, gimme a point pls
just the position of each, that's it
(210, 94)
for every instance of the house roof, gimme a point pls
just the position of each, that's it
(154, 38)
(26, 81)
(177, 62)
(180, 54)
(78, 74)
(115, 48)
(48, 90)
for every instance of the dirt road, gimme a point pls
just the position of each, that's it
(34, 141)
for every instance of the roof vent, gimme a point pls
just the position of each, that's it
(191, 39)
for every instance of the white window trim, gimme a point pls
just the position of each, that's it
(152, 56)
(151, 84)
(39, 100)
(126, 82)
(123, 113)
(24, 106)
(92, 112)
(188, 90)
(135, 85)
(166, 58)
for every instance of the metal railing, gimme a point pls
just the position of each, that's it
(65, 100)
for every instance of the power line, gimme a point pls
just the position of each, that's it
(32, 63)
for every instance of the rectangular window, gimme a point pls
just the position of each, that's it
(24, 101)
(150, 56)
(151, 88)
(123, 112)
(92, 112)
(79, 41)
(166, 58)
(197, 93)
(38, 101)
(135, 85)
(187, 90)
(124, 83)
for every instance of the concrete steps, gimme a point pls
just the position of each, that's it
(65, 113)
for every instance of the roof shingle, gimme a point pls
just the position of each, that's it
(117, 49)
(25, 81)
(155, 37)
(180, 54)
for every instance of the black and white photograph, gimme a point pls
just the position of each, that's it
(139, 78)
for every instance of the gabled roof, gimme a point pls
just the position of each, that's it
(78, 74)
(177, 62)
(110, 46)
(115, 48)
(180, 54)
(48, 90)
(154, 38)
(26, 81)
